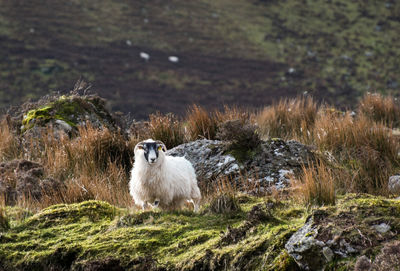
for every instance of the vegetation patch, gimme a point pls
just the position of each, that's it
(95, 233)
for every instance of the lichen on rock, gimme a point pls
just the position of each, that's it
(67, 112)
(353, 227)
(271, 164)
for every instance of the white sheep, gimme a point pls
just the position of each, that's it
(173, 59)
(160, 180)
(145, 56)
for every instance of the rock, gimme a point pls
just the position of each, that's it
(23, 178)
(68, 112)
(382, 228)
(208, 158)
(305, 248)
(328, 253)
(268, 165)
(336, 233)
(394, 184)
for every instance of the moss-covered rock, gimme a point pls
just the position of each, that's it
(68, 112)
(333, 236)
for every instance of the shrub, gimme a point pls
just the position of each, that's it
(380, 109)
(288, 119)
(166, 128)
(241, 139)
(242, 136)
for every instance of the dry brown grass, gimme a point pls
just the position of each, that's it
(368, 150)
(234, 113)
(94, 165)
(316, 185)
(288, 119)
(380, 108)
(166, 128)
(9, 144)
(200, 124)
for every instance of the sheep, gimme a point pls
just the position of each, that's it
(160, 180)
(173, 59)
(145, 56)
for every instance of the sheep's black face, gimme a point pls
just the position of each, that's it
(151, 150)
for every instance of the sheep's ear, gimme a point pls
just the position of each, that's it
(162, 145)
(139, 146)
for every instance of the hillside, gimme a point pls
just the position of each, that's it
(230, 52)
(297, 186)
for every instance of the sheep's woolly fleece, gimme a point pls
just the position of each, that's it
(170, 181)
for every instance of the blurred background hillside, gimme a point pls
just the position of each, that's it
(245, 52)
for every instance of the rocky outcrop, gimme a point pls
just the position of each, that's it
(334, 233)
(270, 164)
(394, 184)
(66, 113)
(24, 179)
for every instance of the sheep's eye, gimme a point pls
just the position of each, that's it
(159, 148)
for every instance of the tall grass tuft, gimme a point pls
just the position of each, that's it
(379, 108)
(233, 113)
(288, 119)
(9, 144)
(166, 128)
(368, 150)
(200, 124)
(317, 185)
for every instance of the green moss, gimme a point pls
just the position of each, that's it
(76, 233)
(68, 235)
(65, 108)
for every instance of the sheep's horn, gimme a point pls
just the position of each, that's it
(164, 148)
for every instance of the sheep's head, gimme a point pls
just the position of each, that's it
(151, 150)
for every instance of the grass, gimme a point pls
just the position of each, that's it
(166, 128)
(317, 185)
(96, 164)
(362, 144)
(9, 143)
(94, 230)
(200, 123)
(289, 118)
(380, 108)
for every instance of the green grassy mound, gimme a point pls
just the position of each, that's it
(94, 234)
(80, 235)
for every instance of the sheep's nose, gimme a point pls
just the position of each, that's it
(152, 160)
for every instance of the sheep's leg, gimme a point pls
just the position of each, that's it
(145, 205)
(155, 204)
(196, 197)
(196, 204)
